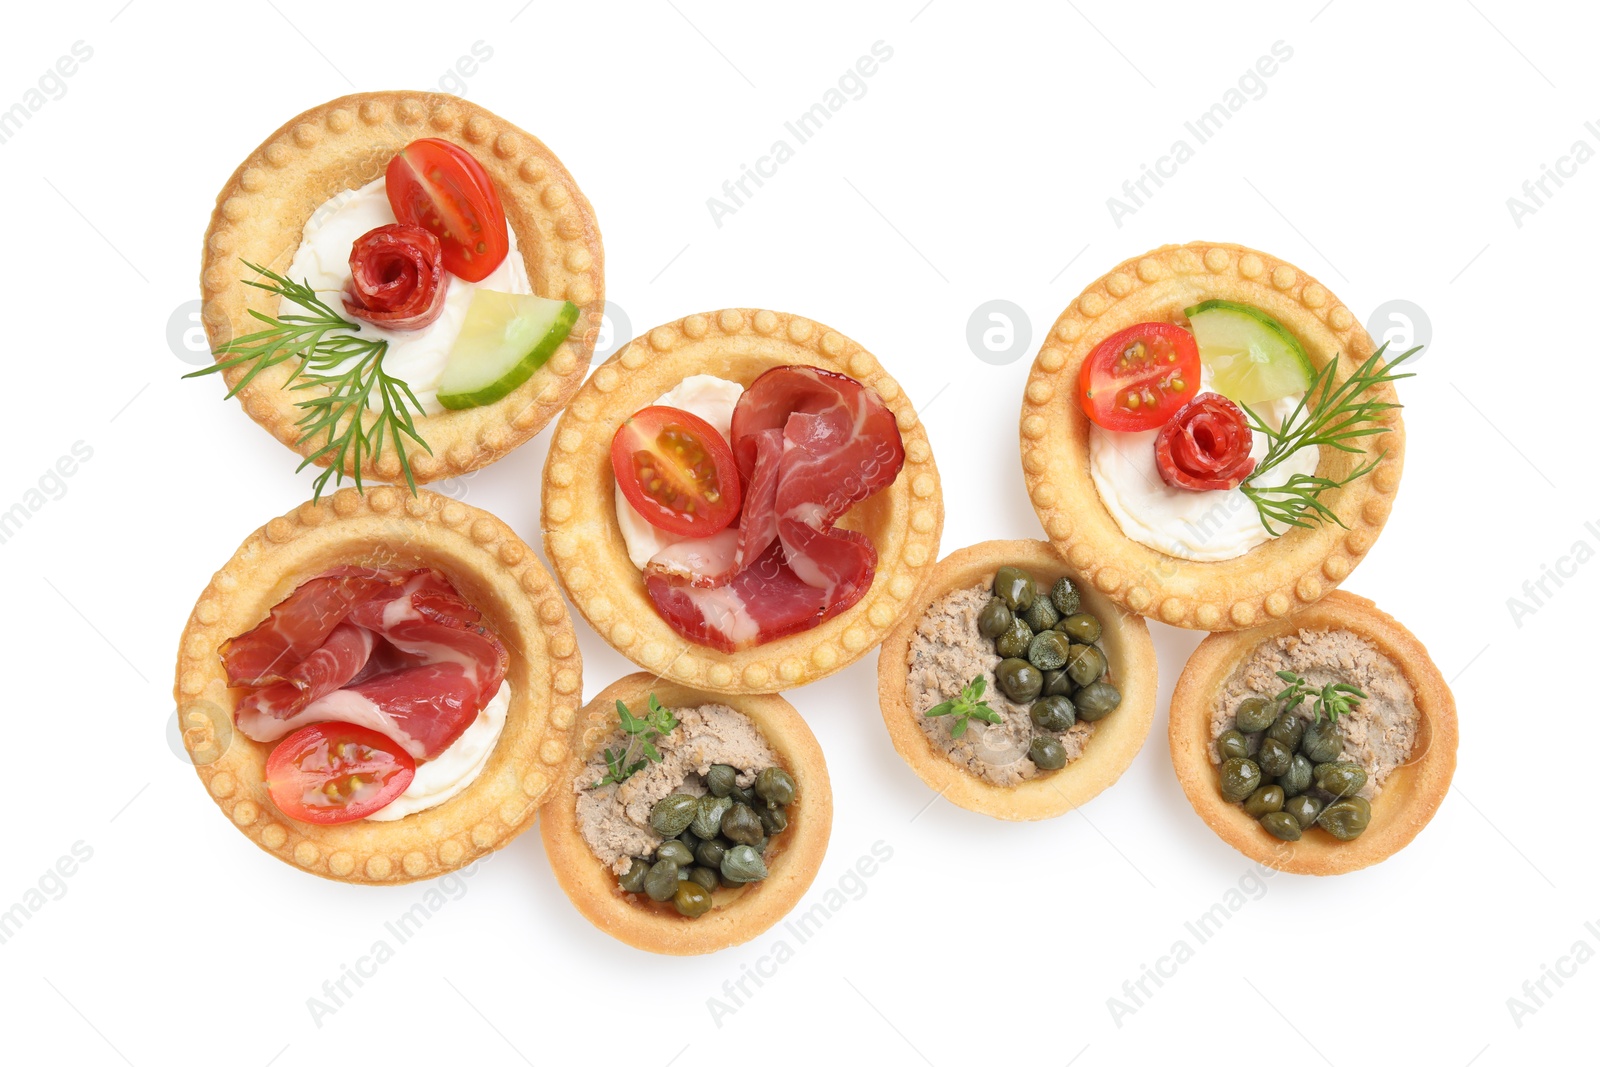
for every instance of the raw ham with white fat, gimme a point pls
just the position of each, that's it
(810, 445)
(404, 656)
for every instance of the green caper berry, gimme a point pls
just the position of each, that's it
(676, 851)
(1254, 713)
(1058, 684)
(1095, 701)
(1042, 615)
(1081, 627)
(1064, 595)
(1019, 680)
(1288, 728)
(994, 619)
(743, 864)
(741, 825)
(1231, 744)
(1048, 650)
(1263, 801)
(1240, 778)
(722, 779)
(1346, 819)
(708, 814)
(692, 899)
(704, 877)
(710, 853)
(773, 820)
(633, 880)
(1085, 663)
(671, 816)
(775, 785)
(1282, 825)
(1053, 713)
(1047, 753)
(662, 880)
(1015, 587)
(1014, 642)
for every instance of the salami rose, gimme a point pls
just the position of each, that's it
(1205, 445)
(397, 278)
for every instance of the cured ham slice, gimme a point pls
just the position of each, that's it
(397, 278)
(702, 561)
(299, 624)
(810, 445)
(408, 658)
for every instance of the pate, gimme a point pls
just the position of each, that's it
(946, 653)
(614, 819)
(1379, 733)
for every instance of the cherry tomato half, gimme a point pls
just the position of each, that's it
(442, 188)
(332, 772)
(677, 471)
(1136, 379)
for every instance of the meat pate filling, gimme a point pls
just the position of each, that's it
(946, 653)
(614, 819)
(1379, 733)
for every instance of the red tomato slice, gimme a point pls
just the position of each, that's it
(442, 188)
(1136, 379)
(677, 471)
(333, 772)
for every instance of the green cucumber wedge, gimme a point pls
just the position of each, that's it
(1253, 359)
(504, 339)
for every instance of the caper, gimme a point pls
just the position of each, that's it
(1053, 713)
(1288, 728)
(722, 779)
(1274, 757)
(633, 881)
(1058, 684)
(1297, 779)
(1064, 595)
(662, 880)
(1048, 650)
(704, 877)
(1019, 680)
(1254, 713)
(741, 825)
(1047, 753)
(1015, 587)
(1345, 819)
(1094, 702)
(1268, 798)
(1233, 745)
(676, 851)
(1240, 778)
(1340, 779)
(1304, 808)
(1081, 627)
(692, 899)
(994, 619)
(1282, 825)
(773, 820)
(708, 816)
(776, 786)
(1015, 641)
(743, 795)
(710, 853)
(1086, 664)
(743, 864)
(672, 815)
(1322, 743)
(1042, 615)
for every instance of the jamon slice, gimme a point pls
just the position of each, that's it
(300, 623)
(341, 657)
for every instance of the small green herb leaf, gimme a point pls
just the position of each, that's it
(657, 723)
(969, 705)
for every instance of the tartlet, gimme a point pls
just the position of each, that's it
(1269, 581)
(495, 571)
(1411, 794)
(1116, 740)
(346, 143)
(584, 543)
(739, 913)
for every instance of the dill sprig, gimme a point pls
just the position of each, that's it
(321, 340)
(1334, 414)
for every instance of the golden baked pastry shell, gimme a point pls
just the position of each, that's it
(1411, 794)
(1271, 580)
(1117, 738)
(489, 566)
(740, 913)
(261, 215)
(584, 543)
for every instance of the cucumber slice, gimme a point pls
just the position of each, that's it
(1253, 359)
(504, 339)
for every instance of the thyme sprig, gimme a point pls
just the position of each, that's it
(969, 705)
(656, 723)
(1336, 414)
(323, 341)
(1335, 698)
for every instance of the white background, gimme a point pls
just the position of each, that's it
(977, 166)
